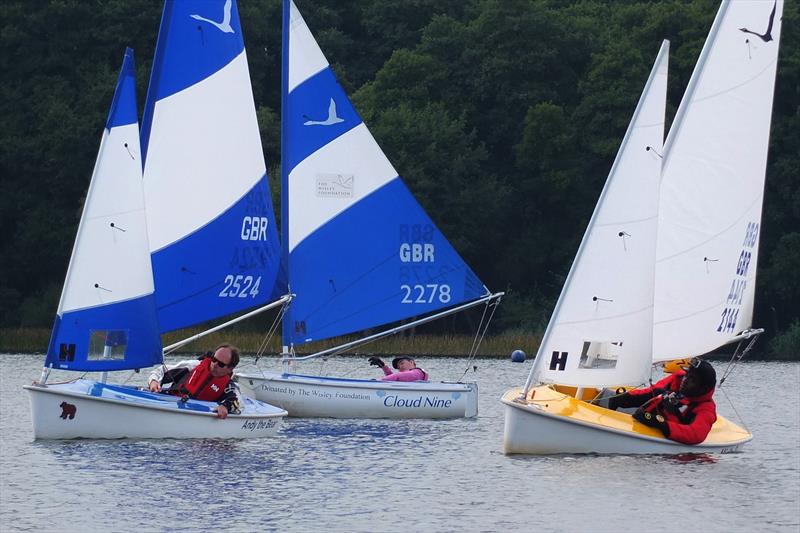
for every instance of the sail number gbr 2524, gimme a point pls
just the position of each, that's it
(240, 286)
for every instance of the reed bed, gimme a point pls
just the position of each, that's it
(35, 340)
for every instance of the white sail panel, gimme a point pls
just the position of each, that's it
(600, 333)
(106, 255)
(713, 185)
(331, 180)
(193, 146)
(305, 56)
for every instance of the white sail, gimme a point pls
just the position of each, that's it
(713, 185)
(600, 331)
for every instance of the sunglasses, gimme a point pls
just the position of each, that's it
(219, 363)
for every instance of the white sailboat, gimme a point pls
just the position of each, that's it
(360, 251)
(711, 188)
(208, 232)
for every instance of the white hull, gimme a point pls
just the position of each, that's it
(91, 410)
(310, 396)
(529, 429)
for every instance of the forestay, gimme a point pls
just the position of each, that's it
(713, 185)
(106, 317)
(212, 231)
(361, 251)
(601, 329)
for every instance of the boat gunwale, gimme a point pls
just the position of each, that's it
(354, 383)
(168, 407)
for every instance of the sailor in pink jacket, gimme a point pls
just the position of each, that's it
(406, 369)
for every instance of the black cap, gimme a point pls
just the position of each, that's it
(396, 360)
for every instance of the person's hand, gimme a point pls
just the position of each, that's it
(222, 412)
(648, 418)
(614, 401)
(376, 361)
(154, 386)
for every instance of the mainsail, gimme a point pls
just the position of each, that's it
(601, 329)
(713, 185)
(106, 317)
(213, 239)
(361, 251)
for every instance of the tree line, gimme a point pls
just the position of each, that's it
(502, 116)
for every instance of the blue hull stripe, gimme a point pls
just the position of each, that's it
(193, 285)
(395, 265)
(70, 341)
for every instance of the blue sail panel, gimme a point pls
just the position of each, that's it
(119, 336)
(123, 106)
(380, 261)
(317, 112)
(230, 264)
(196, 39)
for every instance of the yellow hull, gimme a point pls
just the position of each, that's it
(551, 420)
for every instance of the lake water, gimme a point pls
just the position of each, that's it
(415, 475)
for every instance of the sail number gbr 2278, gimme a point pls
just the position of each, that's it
(420, 293)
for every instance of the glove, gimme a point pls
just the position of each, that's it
(376, 361)
(614, 402)
(654, 420)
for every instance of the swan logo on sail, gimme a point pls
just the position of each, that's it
(335, 185)
(331, 120)
(767, 35)
(225, 25)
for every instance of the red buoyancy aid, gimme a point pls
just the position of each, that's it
(203, 385)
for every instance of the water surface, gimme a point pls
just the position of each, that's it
(405, 475)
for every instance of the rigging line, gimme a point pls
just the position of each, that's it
(270, 332)
(477, 342)
(738, 415)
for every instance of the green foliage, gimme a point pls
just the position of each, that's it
(502, 116)
(786, 346)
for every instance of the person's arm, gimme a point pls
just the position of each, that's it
(697, 430)
(387, 372)
(169, 374)
(228, 401)
(638, 397)
(415, 374)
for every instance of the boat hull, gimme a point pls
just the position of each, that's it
(91, 410)
(313, 396)
(550, 422)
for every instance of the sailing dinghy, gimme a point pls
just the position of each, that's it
(206, 194)
(360, 251)
(708, 215)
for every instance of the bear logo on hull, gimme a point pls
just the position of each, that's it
(68, 410)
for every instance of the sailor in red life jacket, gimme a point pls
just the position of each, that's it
(680, 405)
(207, 379)
(406, 369)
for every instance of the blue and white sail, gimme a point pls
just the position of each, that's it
(712, 187)
(600, 333)
(106, 317)
(361, 251)
(211, 226)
